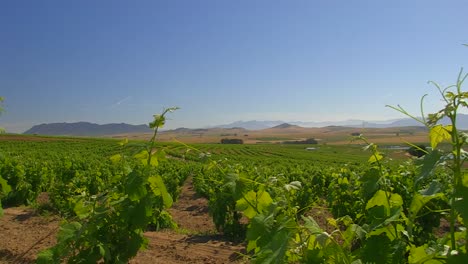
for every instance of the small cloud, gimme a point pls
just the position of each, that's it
(118, 103)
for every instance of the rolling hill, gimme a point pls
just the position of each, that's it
(86, 129)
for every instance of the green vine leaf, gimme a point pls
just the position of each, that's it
(116, 158)
(439, 133)
(81, 210)
(135, 187)
(261, 200)
(5, 188)
(158, 188)
(429, 163)
(142, 157)
(370, 182)
(380, 199)
(46, 257)
(419, 201)
(375, 157)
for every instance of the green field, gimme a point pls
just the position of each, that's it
(76, 147)
(366, 195)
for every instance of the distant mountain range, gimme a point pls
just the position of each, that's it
(91, 129)
(259, 125)
(86, 129)
(462, 123)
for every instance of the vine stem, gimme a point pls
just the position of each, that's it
(158, 122)
(387, 190)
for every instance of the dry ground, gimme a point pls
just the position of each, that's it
(329, 135)
(23, 234)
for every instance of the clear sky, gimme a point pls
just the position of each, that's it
(223, 61)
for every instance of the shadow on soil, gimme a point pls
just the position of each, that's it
(203, 239)
(6, 256)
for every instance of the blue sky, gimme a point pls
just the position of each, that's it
(222, 61)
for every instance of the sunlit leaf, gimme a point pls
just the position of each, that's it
(5, 187)
(81, 210)
(154, 160)
(123, 142)
(253, 203)
(159, 121)
(353, 231)
(332, 222)
(294, 185)
(45, 257)
(161, 155)
(380, 199)
(142, 157)
(116, 158)
(311, 225)
(375, 157)
(438, 134)
(417, 254)
(159, 188)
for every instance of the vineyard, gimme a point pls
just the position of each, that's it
(355, 203)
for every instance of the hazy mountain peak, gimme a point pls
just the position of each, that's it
(86, 129)
(285, 125)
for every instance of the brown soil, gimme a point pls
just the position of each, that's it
(35, 138)
(191, 211)
(23, 234)
(330, 135)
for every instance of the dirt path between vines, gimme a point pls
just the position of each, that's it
(23, 234)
